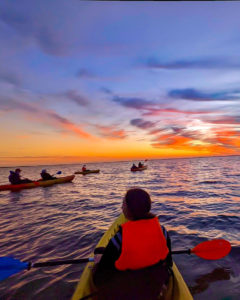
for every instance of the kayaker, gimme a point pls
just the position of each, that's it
(84, 169)
(46, 176)
(140, 165)
(134, 167)
(141, 248)
(15, 177)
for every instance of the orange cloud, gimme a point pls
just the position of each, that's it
(173, 141)
(38, 114)
(158, 111)
(110, 132)
(228, 137)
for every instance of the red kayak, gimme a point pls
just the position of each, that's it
(15, 187)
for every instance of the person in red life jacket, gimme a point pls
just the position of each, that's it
(84, 169)
(140, 165)
(15, 177)
(138, 255)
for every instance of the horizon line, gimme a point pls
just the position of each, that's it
(118, 161)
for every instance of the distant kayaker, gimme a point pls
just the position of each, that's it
(46, 176)
(15, 177)
(133, 248)
(84, 169)
(140, 165)
(134, 167)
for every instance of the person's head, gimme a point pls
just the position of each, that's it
(136, 204)
(18, 171)
(44, 171)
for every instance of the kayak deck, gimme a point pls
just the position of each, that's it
(177, 289)
(87, 172)
(34, 184)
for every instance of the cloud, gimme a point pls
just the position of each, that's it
(227, 120)
(111, 132)
(157, 111)
(41, 115)
(199, 63)
(106, 90)
(32, 29)
(136, 103)
(151, 108)
(174, 141)
(84, 73)
(11, 105)
(158, 131)
(200, 136)
(10, 78)
(74, 96)
(195, 95)
(140, 123)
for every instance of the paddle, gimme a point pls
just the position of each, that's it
(214, 249)
(10, 266)
(59, 172)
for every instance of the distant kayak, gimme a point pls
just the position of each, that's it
(34, 184)
(87, 172)
(138, 169)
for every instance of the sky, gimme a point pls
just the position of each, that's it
(84, 81)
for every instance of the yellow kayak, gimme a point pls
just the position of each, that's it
(87, 172)
(177, 289)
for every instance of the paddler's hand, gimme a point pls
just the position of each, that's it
(97, 258)
(98, 252)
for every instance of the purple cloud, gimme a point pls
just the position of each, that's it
(10, 78)
(84, 73)
(11, 105)
(136, 103)
(140, 123)
(48, 38)
(74, 96)
(201, 63)
(195, 95)
(106, 90)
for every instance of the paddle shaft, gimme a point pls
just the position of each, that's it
(181, 251)
(60, 262)
(82, 260)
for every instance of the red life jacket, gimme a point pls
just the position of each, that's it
(143, 244)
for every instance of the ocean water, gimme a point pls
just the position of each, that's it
(196, 199)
